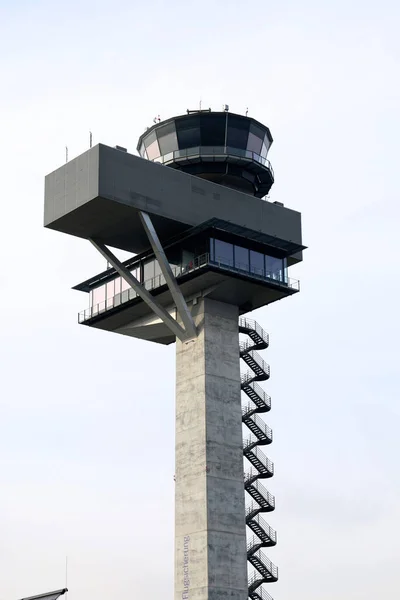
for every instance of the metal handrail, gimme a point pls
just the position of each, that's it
(267, 564)
(157, 281)
(259, 454)
(261, 424)
(249, 344)
(259, 360)
(268, 497)
(250, 375)
(252, 324)
(266, 527)
(262, 594)
(214, 151)
(260, 392)
(224, 263)
(256, 541)
(254, 578)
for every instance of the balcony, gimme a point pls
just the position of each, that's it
(214, 152)
(278, 280)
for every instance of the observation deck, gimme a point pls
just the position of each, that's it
(223, 147)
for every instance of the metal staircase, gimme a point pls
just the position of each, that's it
(261, 466)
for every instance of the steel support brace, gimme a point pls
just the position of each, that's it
(182, 307)
(141, 291)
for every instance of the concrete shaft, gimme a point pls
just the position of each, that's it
(210, 530)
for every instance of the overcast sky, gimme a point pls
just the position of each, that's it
(87, 417)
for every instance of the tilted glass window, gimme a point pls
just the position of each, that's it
(188, 132)
(237, 138)
(153, 151)
(124, 285)
(274, 268)
(142, 151)
(99, 294)
(241, 258)
(212, 130)
(167, 139)
(238, 132)
(168, 143)
(188, 138)
(117, 284)
(223, 253)
(256, 263)
(254, 143)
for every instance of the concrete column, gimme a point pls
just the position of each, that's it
(210, 530)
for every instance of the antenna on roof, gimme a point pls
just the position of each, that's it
(66, 154)
(247, 111)
(90, 139)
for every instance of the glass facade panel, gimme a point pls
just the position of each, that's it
(241, 258)
(153, 151)
(256, 263)
(187, 123)
(117, 285)
(192, 151)
(99, 294)
(237, 138)
(257, 131)
(265, 147)
(223, 253)
(168, 143)
(110, 289)
(267, 142)
(142, 151)
(149, 139)
(166, 129)
(187, 138)
(254, 143)
(124, 285)
(213, 130)
(212, 150)
(264, 151)
(274, 268)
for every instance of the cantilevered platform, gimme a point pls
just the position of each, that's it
(99, 195)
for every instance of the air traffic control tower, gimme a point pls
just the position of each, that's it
(208, 249)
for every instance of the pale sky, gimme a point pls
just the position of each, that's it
(79, 407)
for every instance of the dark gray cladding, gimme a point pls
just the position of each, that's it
(98, 195)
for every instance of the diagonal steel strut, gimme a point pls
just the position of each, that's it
(141, 291)
(166, 270)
